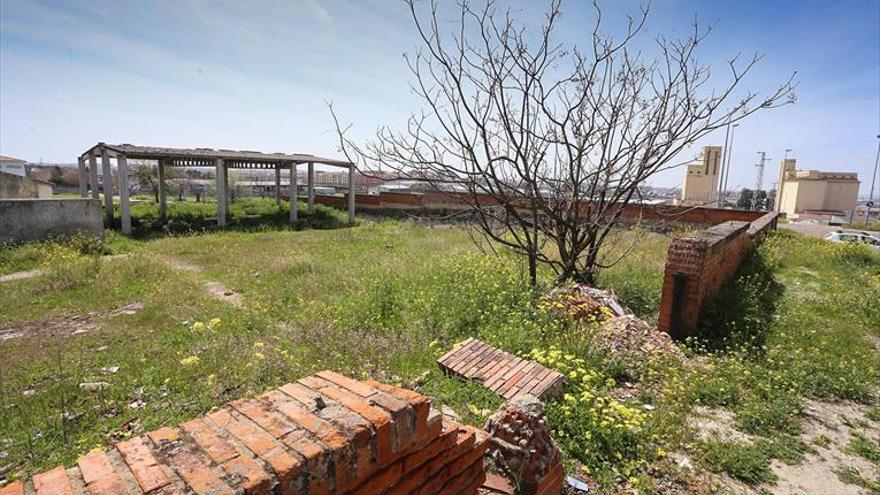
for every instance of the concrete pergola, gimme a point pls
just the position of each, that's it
(222, 160)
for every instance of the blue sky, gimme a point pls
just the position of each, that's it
(256, 74)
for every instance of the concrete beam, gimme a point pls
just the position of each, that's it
(311, 187)
(108, 187)
(294, 214)
(220, 178)
(351, 193)
(124, 208)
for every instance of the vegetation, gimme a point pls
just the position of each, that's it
(96, 349)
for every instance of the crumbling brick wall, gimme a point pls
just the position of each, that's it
(698, 265)
(324, 434)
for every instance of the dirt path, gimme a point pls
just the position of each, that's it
(828, 428)
(215, 289)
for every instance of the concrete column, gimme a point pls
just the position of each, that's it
(108, 187)
(351, 193)
(294, 214)
(124, 210)
(83, 177)
(226, 185)
(93, 175)
(163, 197)
(311, 187)
(220, 172)
(278, 185)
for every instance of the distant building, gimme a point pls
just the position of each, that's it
(812, 191)
(700, 184)
(14, 186)
(13, 166)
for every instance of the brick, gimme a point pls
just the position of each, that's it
(358, 429)
(324, 435)
(506, 378)
(380, 420)
(143, 465)
(379, 482)
(464, 355)
(255, 439)
(248, 474)
(257, 412)
(16, 488)
(341, 450)
(53, 482)
(420, 404)
(98, 474)
(314, 457)
(287, 469)
(402, 414)
(189, 463)
(454, 349)
(495, 483)
(218, 449)
(418, 465)
(485, 360)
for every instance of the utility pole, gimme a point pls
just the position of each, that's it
(873, 182)
(723, 165)
(729, 153)
(760, 182)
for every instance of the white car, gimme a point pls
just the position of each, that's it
(859, 237)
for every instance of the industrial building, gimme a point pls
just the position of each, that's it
(700, 184)
(812, 191)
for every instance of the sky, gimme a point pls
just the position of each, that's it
(257, 74)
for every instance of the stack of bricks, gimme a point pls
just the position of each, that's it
(324, 434)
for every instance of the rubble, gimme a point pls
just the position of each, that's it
(520, 446)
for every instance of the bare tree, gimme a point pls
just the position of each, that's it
(545, 141)
(146, 175)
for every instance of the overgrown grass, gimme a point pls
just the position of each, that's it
(383, 300)
(247, 214)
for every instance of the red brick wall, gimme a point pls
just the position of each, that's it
(324, 434)
(699, 264)
(433, 201)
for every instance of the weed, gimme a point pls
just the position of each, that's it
(745, 462)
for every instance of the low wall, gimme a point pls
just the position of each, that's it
(23, 220)
(324, 434)
(433, 204)
(16, 187)
(699, 264)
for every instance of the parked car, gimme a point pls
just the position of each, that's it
(859, 237)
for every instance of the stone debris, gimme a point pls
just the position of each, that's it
(581, 301)
(520, 446)
(93, 386)
(632, 342)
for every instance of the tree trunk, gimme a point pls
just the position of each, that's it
(533, 268)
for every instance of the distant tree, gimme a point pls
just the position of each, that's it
(745, 198)
(771, 200)
(546, 140)
(146, 174)
(57, 175)
(760, 200)
(70, 177)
